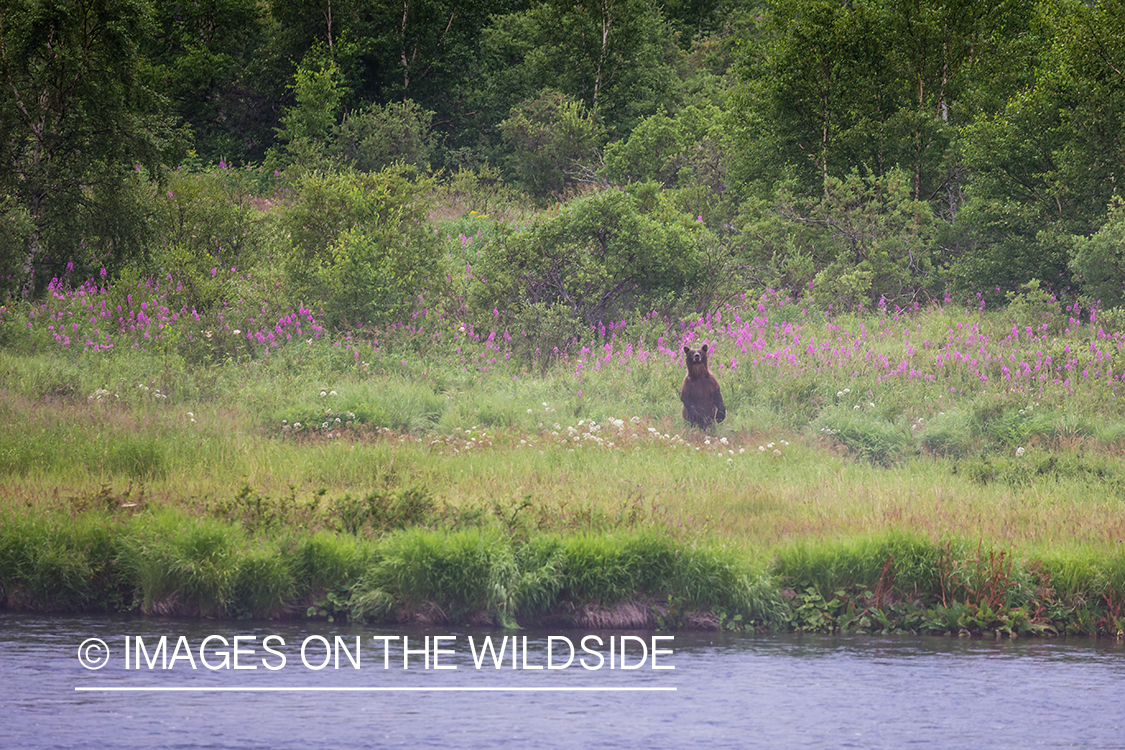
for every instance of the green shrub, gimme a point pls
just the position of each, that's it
(672, 150)
(382, 511)
(375, 275)
(206, 220)
(548, 140)
(1099, 261)
(378, 136)
(864, 240)
(306, 127)
(1034, 307)
(360, 243)
(599, 261)
(482, 192)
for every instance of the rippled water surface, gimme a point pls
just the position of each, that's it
(775, 691)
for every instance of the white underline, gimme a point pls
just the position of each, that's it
(248, 689)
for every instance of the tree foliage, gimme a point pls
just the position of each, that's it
(879, 150)
(380, 135)
(865, 242)
(673, 150)
(211, 58)
(1047, 164)
(617, 57)
(76, 118)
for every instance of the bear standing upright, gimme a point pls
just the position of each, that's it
(703, 403)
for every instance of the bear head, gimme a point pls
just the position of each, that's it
(696, 360)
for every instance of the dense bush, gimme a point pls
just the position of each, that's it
(550, 141)
(359, 243)
(600, 260)
(672, 150)
(1099, 261)
(378, 136)
(865, 240)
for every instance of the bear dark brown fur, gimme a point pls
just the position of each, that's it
(703, 403)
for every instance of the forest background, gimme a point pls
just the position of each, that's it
(866, 150)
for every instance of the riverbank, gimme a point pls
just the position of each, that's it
(124, 557)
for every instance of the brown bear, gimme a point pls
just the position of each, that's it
(703, 403)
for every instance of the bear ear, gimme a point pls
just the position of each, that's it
(687, 350)
(704, 349)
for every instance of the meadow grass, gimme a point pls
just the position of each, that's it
(341, 474)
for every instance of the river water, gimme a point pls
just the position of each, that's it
(722, 691)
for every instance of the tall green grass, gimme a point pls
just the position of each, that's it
(167, 563)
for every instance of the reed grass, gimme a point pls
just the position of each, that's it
(170, 563)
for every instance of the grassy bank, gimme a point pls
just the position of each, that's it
(934, 470)
(116, 558)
